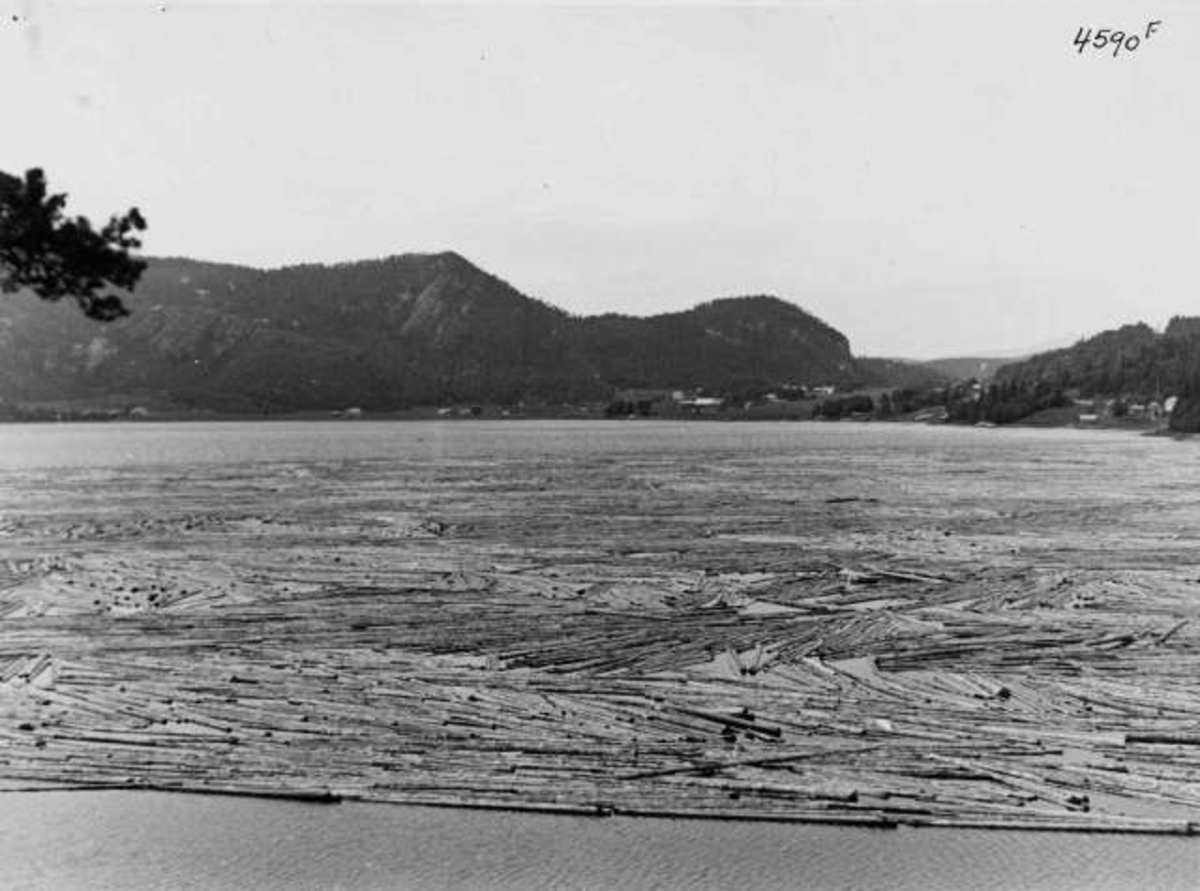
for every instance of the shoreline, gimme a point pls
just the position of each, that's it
(420, 416)
(328, 797)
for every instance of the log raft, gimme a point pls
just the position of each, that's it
(653, 635)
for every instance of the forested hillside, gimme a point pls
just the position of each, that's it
(1133, 363)
(1133, 360)
(416, 329)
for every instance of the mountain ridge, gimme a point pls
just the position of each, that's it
(1132, 368)
(397, 331)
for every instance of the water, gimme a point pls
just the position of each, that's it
(102, 840)
(69, 840)
(27, 446)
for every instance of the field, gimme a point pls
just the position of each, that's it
(870, 624)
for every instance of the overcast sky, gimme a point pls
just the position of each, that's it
(929, 179)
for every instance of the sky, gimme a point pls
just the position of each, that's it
(931, 179)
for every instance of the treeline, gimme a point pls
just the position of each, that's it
(740, 347)
(395, 333)
(871, 372)
(41, 413)
(1132, 361)
(858, 405)
(1131, 364)
(965, 402)
(1002, 402)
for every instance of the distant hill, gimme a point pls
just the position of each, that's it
(382, 334)
(902, 374)
(924, 374)
(983, 366)
(719, 345)
(1132, 362)
(966, 367)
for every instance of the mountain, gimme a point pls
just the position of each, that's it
(1133, 363)
(1042, 346)
(718, 345)
(965, 367)
(381, 334)
(904, 374)
(925, 374)
(1133, 360)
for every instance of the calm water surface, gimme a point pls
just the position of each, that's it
(143, 444)
(102, 840)
(69, 840)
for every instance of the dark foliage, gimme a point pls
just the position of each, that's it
(1130, 361)
(875, 372)
(1183, 328)
(57, 256)
(744, 347)
(1186, 416)
(416, 329)
(908, 399)
(625, 408)
(1001, 403)
(1128, 364)
(845, 406)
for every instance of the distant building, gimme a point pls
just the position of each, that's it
(702, 405)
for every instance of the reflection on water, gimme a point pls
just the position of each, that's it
(99, 840)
